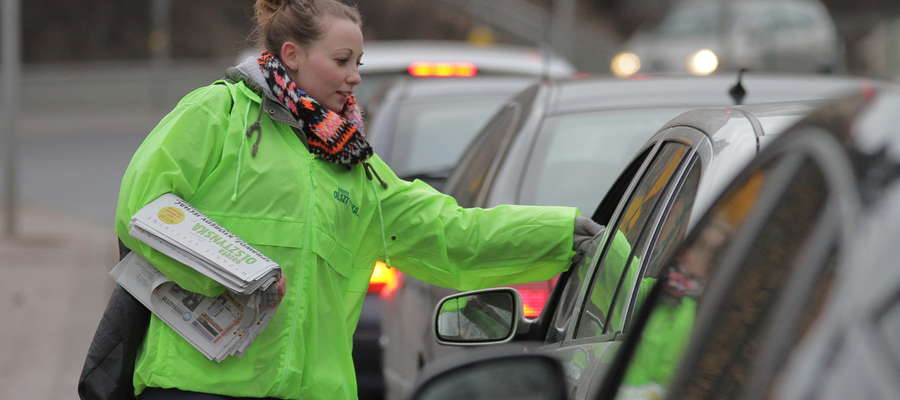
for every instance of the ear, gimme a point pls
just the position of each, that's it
(292, 55)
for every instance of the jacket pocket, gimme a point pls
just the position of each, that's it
(274, 234)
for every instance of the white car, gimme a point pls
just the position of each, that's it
(701, 37)
(384, 61)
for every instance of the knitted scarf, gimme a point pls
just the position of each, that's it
(337, 138)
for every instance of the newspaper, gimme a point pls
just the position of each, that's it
(173, 227)
(218, 327)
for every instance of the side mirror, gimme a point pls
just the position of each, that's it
(511, 376)
(480, 317)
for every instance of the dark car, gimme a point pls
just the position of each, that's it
(647, 210)
(564, 142)
(788, 286)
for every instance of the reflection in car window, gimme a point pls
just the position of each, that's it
(619, 261)
(675, 224)
(578, 274)
(720, 363)
(431, 137)
(671, 320)
(579, 156)
(724, 364)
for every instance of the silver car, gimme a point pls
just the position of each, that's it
(701, 37)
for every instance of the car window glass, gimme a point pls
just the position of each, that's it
(690, 21)
(675, 223)
(618, 261)
(635, 285)
(578, 156)
(467, 182)
(565, 309)
(431, 137)
(722, 357)
(663, 338)
(763, 272)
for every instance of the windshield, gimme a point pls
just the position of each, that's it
(431, 137)
(580, 155)
(691, 21)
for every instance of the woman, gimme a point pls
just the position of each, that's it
(277, 155)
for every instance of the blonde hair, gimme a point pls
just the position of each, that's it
(279, 21)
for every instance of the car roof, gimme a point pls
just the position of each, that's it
(574, 95)
(711, 120)
(391, 56)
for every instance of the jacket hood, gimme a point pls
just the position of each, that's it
(248, 72)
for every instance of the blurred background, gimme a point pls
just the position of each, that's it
(84, 81)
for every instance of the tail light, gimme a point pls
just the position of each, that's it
(442, 69)
(534, 296)
(384, 280)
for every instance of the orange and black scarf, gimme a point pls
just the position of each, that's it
(337, 138)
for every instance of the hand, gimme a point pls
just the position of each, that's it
(280, 288)
(585, 237)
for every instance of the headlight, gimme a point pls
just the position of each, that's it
(703, 62)
(625, 64)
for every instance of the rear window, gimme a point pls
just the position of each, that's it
(432, 136)
(579, 156)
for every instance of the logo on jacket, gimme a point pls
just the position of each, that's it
(343, 196)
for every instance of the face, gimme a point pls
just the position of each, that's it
(327, 69)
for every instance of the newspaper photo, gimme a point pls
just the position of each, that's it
(218, 327)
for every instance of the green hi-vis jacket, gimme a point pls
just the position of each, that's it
(326, 226)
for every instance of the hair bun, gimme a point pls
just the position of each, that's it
(271, 5)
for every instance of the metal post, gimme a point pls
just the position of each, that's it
(9, 84)
(160, 51)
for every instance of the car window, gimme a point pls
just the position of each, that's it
(671, 317)
(577, 157)
(764, 269)
(578, 274)
(431, 136)
(675, 223)
(734, 278)
(467, 182)
(690, 20)
(619, 261)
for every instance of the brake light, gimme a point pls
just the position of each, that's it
(534, 296)
(423, 69)
(384, 280)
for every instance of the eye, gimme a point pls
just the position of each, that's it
(342, 61)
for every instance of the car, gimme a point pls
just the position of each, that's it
(562, 142)
(787, 286)
(701, 37)
(386, 60)
(647, 210)
(420, 127)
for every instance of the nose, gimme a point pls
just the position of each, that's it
(354, 78)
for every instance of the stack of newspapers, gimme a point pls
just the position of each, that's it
(218, 326)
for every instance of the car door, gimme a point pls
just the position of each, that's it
(599, 293)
